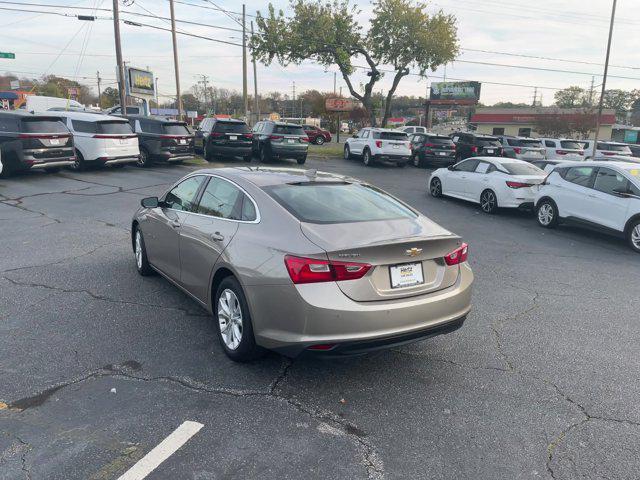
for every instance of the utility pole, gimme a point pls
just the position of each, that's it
(116, 33)
(604, 79)
(593, 80)
(204, 80)
(535, 96)
(99, 91)
(244, 63)
(293, 101)
(175, 59)
(256, 103)
(157, 103)
(334, 82)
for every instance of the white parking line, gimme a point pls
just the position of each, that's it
(164, 450)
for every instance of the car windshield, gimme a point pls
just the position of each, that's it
(488, 142)
(289, 130)
(43, 125)
(338, 202)
(175, 129)
(440, 140)
(390, 135)
(231, 127)
(121, 128)
(522, 169)
(571, 145)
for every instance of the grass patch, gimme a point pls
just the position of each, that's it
(326, 150)
(196, 161)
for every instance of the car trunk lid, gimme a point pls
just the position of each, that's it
(406, 255)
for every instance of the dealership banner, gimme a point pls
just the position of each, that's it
(455, 93)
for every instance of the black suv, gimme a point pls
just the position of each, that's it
(428, 148)
(272, 140)
(30, 141)
(475, 145)
(217, 137)
(161, 140)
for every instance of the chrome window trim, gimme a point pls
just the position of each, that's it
(255, 205)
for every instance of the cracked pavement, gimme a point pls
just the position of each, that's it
(541, 382)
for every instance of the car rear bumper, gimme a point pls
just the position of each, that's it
(173, 157)
(290, 319)
(293, 151)
(391, 158)
(451, 158)
(50, 164)
(236, 151)
(118, 160)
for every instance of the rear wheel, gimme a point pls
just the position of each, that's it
(319, 140)
(435, 187)
(301, 161)
(208, 156)
(143, 159)
(633, 235)
(547, 213)
(488, 202)
(366, 158)
(235, 330)
(264, 157)
(247, 158)
(417, 161)
(347, 152)
(79, 164)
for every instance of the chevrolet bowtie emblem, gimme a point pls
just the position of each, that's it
(413, 252)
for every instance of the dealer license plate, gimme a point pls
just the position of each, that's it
(183, 142)
(490, 150)
(233, 137)
(54, 141)
(442, 153)
(290, 140)
(406, 275)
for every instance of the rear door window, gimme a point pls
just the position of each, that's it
(579, 175)
(221, 199)
(608, 181)
(288, 130)
(231, 127)
(114, 128)
(483, 167)
(183, 196)
(338, 202)
(467, 166)
(42, 125)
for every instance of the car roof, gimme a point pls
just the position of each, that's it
(267, 176)
(227, 120)
(153, 118)
(498, 160)
(603, 163)
(22, 113)
(90, 117)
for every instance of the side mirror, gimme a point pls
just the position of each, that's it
(150, 202)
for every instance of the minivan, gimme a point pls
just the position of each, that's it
(161, 140)
(101, 139)
(29, 142)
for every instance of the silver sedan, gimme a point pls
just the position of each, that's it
(303, 261)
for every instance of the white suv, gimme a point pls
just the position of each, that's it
(563, 149)
(592, 193)
(101, 139)
(379, 145)
(606, 149)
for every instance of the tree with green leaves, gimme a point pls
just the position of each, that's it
(401, 34)
(572, 97)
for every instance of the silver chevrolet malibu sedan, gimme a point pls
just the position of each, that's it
(299, 261)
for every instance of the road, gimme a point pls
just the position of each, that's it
(99, 365)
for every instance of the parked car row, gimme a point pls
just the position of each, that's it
(77, 139)
(600, 194)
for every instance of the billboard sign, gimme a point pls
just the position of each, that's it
(339, 104)
(455, 93)
(140, 82)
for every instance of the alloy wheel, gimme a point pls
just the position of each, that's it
(230, 319)
(366, 158)
(635, 237)
(545, 214)
(142, 159)
(319, 140)
(138, 249)
(488, 201)
(436, 187)
(347, 153)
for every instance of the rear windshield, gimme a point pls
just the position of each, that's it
(231, 127)
(115, 127)
(612, 147)
(531, 143)
(288, 130)
(338, 203)
(522, 169)
(488, 142)
(39, 125)
(571, 145)
(175, 129)
(440, 140)
(390, 135)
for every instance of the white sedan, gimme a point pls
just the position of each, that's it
(493, 182)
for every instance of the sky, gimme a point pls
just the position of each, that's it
(569, 30)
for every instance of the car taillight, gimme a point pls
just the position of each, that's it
(42, 135)
(459, 255)
(518, 185)
(276, 137)
(379, 143)
(217, 134)
(474, 149)
(581, 152)
(517, 150)
(561, 152)
(323, 347)
(304, 139)
(113, 136)
(312, 270)
(609, 153)
(248, 135)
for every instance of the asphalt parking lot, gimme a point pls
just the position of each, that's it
(98, 365)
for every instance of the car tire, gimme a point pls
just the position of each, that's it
(247, 158)
(207, 154)
(301, 161)
(140, 254)
(264, 158)
(347, 153)
(79, 164)
(417, 161)
(143, 159)
(489, 201)
(319, 140)
(633, 235)
(435, 187)
(547, 213)
(366, 158)
(233, 322)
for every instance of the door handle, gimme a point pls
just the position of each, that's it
(174, 223)
(217, 236)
